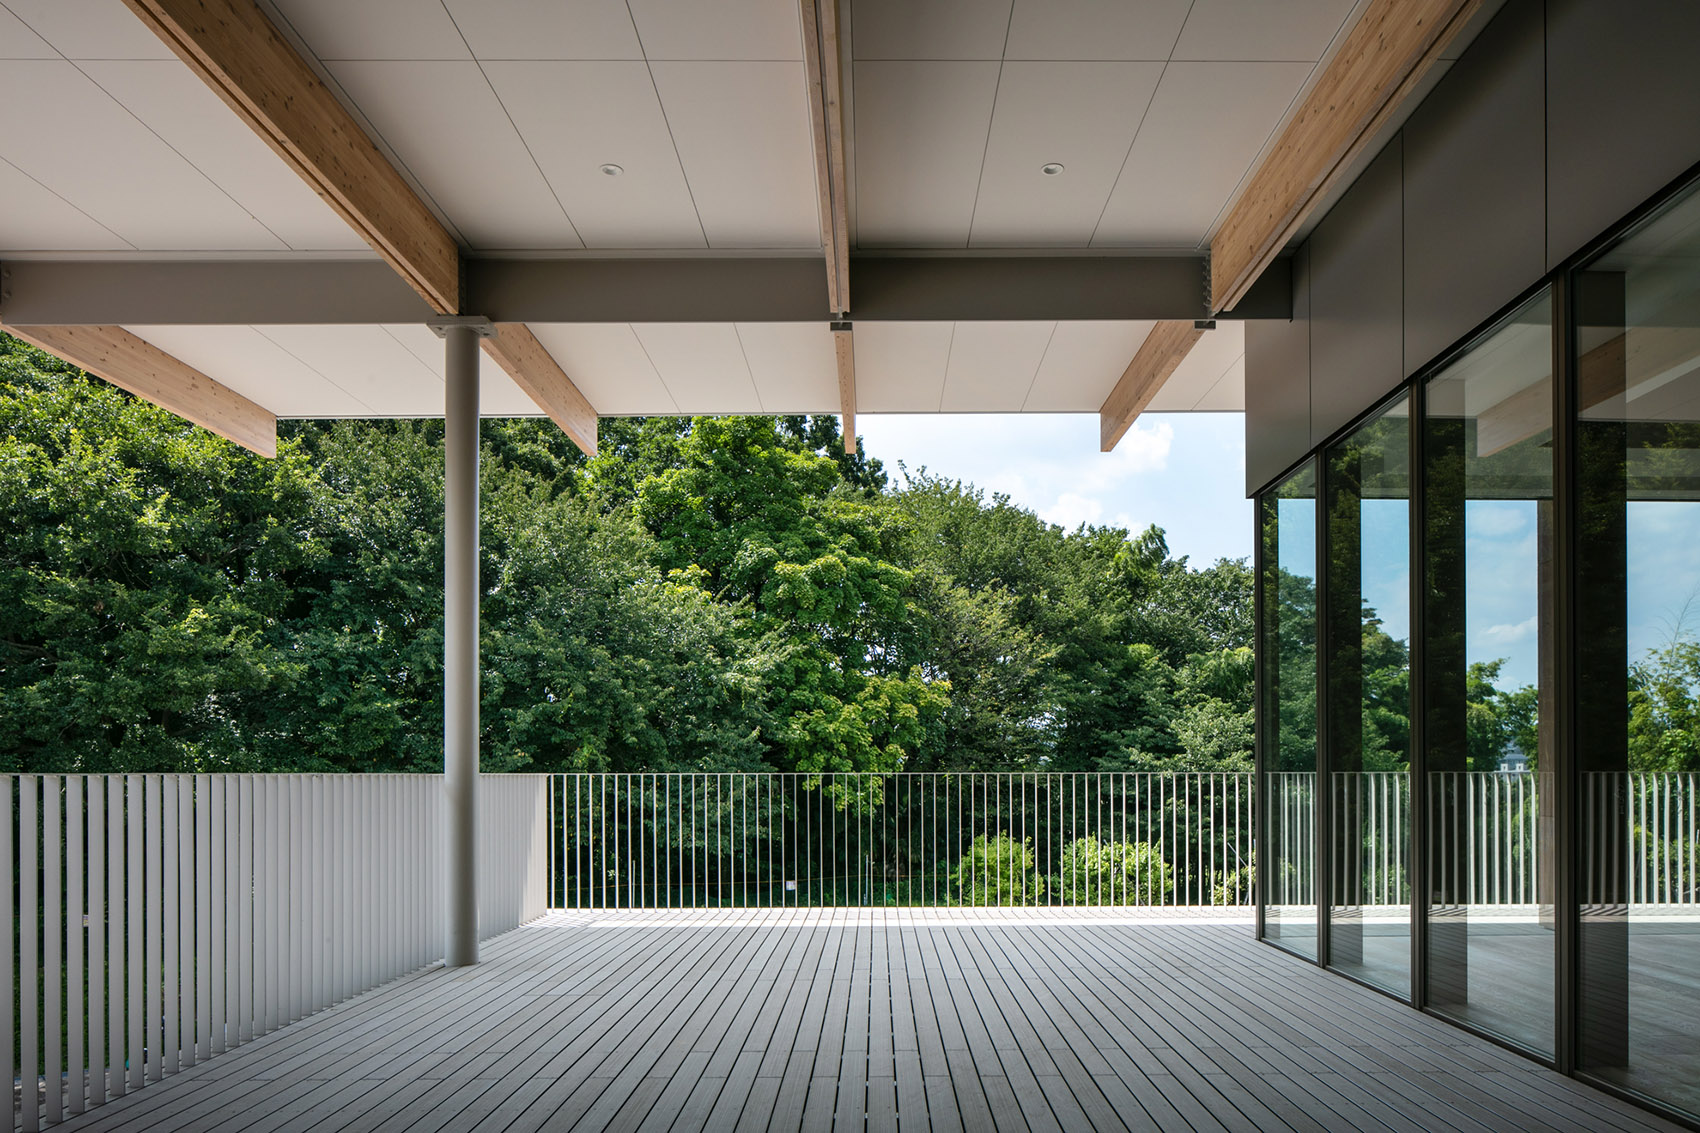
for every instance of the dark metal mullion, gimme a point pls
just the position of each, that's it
(1322, 824)
(1563, 771)
(1416, 867)
(1260, 688)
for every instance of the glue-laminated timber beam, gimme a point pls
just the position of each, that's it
(237, 52)
(1163, 349)
(826, 121)
(133, 364)
(844, 350)
(516, 350)
(1381, 61)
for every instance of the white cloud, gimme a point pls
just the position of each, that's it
(1513, 633)
(1071, 510)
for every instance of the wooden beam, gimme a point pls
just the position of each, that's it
(1382, 59)
(237, 52)
(516, 350)
(133, 364)
(1163, 349)
(826, 120)
(845, 349)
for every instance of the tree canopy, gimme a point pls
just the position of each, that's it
(709, 593)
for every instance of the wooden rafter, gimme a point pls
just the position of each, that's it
(534, 370)
(1382, 59)
(844, 349)
(237, 52)
(136, 365)
(826, 120)
(1163, 349)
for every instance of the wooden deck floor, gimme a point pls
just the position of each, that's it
(907, 1019)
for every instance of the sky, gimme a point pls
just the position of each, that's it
(1185, 472)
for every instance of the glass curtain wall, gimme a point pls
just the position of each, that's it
(1368, 697)
(1489, 641)
(1287, 521)
(1636, 361)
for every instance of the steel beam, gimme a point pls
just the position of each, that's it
(954, 287)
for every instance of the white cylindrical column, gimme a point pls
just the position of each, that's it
(460, 641)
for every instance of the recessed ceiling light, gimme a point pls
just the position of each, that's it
(612, 170)
(1051, 169)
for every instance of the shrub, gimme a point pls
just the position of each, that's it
(1114, 873)
(998, 871)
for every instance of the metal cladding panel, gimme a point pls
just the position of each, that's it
(1277, 385)
(1623, 110)
(1475, 193)
(1356, 298)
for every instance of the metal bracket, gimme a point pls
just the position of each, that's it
(478, 324)
(839, 325)
(1204, 324)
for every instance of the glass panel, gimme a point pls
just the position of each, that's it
(1288, 516)
(1369, 698)
(1638, 560)
(1487, 612)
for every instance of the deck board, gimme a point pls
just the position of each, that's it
(869, 1020)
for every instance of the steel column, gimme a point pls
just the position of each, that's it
(460, 640)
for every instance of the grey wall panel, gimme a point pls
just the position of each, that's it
(1475, 193)
(1623, 110)
(1277, 385)
(1357, 283)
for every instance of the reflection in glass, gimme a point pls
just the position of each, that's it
(1637, 365)
(1488, 663)
(1287, 517)
(1368, 700)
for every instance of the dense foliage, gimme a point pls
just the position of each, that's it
(711, 594)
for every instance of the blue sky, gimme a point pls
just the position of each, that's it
(1184, 472)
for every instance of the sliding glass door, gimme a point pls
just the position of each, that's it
(1367, 699)
(1287, 521)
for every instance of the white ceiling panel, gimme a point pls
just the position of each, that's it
(900, 367)
(930, 29)
(1082, 365)
(702, 365)
(446, 124)
(90, 29)
(742, 132)
(608, 365)
(1199, 373)
(375, 29)
(368, 362)
(34, 219)
(547, 29)
(1259, 30)
(72, 143)
(257, 368)
(195, 122)
(920, 139)
(992, 366)
(794, 366)
(576, 117)
(1206, 125)
(1228, 394)
(17, 41)
(498, 396)
(1096, 29)
(1079, 115)
(726, 29)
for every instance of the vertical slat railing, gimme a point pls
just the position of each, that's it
(159, 920)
